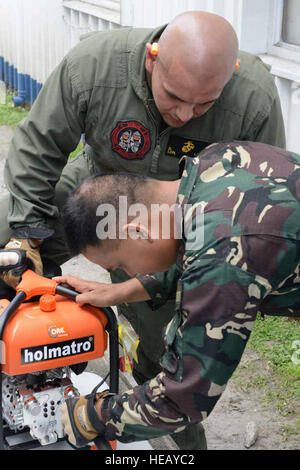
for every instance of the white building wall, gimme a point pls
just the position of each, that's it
(32, 35)
(35, 35)
(151, 13)
(81, 17)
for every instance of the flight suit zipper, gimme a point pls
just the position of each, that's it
(157, 149)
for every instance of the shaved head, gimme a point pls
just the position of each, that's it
(197, 57)
(206, 44)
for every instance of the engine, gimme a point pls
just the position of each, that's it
(44, 340)
(33, 401)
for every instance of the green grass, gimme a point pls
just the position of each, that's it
(272, 371)
(273, 338)
(10, 116)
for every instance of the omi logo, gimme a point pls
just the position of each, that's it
(57, 331)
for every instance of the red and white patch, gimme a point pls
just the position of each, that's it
(130, 139)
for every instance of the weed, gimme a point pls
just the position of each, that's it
(9, 115)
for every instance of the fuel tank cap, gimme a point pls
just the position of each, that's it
(47, 303)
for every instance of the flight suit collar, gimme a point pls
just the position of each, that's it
(137, 71)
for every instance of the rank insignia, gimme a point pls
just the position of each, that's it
(130, 139)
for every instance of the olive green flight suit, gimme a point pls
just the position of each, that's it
(100, 89)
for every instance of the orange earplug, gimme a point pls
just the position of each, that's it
(155, 48)
(237, 65)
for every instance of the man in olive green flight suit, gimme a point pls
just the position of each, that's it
(140, 112)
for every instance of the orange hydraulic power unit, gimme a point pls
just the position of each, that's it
(45, 336)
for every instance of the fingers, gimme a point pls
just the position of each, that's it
(79, 284)
(92, 293)
(73, 281)
(93, 297)
(103, 296)
(8, 258)
(67, 279)
(12, 264)
(10, 280)
(88, 298)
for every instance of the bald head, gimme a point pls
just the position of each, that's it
(204, 43)
(197, 57)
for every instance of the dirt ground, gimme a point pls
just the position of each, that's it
(242, 403)
(227, 425)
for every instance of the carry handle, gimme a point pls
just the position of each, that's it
(32, 284)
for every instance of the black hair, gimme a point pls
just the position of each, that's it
(79, 213)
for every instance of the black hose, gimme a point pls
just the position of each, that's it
(112, 329)
(66, 292)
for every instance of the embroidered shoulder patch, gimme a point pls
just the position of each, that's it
(179, 146)
(130, 139)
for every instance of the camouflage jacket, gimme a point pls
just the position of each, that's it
(246, 260)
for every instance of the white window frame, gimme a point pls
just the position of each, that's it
(100, 2)
(109, 10)
(276, 46)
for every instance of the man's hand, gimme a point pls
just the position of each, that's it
(80, 285)
(80, 419)
(105, 295)
(18, 255)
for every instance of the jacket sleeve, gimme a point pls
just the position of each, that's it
(204, 342)
(271, 129)
(40, 148)
(161, 286)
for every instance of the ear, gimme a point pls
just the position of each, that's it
(150, 58)
(136, 231)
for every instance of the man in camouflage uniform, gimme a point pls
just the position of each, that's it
(246, 260)
(140, 112)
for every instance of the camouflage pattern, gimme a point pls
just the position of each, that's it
(248, 262)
